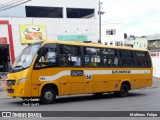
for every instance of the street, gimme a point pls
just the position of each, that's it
(138, 100)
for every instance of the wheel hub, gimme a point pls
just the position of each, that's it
(48, 95)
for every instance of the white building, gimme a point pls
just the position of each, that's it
(136, 42)
(58, 19)
(112, 34)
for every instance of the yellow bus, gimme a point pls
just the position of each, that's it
(53, 68)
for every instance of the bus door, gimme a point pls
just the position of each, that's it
(46, 70)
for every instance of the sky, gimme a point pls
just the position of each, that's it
(139, 17)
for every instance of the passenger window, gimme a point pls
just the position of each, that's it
(127, 58)
(142, 59)
(70, 55)
(48, 58)
(92, 56)
(110, 57)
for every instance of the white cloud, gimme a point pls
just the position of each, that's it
(139, 17)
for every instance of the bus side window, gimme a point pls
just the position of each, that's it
(92, 56)
(143, 59)
(110, 57)
(127, 58)
(70, 55)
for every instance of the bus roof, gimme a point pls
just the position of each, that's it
(93, 44)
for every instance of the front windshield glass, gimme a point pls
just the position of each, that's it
(26, 57)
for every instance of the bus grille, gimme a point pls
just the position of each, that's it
(11, 82)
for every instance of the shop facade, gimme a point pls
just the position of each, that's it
(6, 46)
(72, 20)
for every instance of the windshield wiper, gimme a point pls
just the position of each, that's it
(18, 67)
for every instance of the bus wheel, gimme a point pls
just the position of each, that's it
(48, 95)
(123, 91)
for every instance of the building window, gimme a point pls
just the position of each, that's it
(111, 32)
(44, 12)
(118, 43)
(111, 43)
(80, 13)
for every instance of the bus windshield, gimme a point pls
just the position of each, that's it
(26, 57)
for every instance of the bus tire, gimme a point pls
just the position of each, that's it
(48, 95)
(123, 91)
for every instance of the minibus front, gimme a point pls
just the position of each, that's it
(19, 78)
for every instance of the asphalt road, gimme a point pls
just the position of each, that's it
(138, 100)
(147, 99)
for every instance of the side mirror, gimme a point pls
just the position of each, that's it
(42, 51)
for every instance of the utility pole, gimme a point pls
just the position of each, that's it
(100, 13)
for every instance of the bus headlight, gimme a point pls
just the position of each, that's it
(22, 80)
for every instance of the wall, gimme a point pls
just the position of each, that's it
(156, 66)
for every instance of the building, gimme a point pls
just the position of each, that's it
(35, 20)
(154, 47)
(112, 34)
(153, 41)
(136, 42)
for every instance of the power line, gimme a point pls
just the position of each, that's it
(8, 3)
(12, 4)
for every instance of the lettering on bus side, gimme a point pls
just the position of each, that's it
(88, 77)
(121, 71)
(77, 73)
